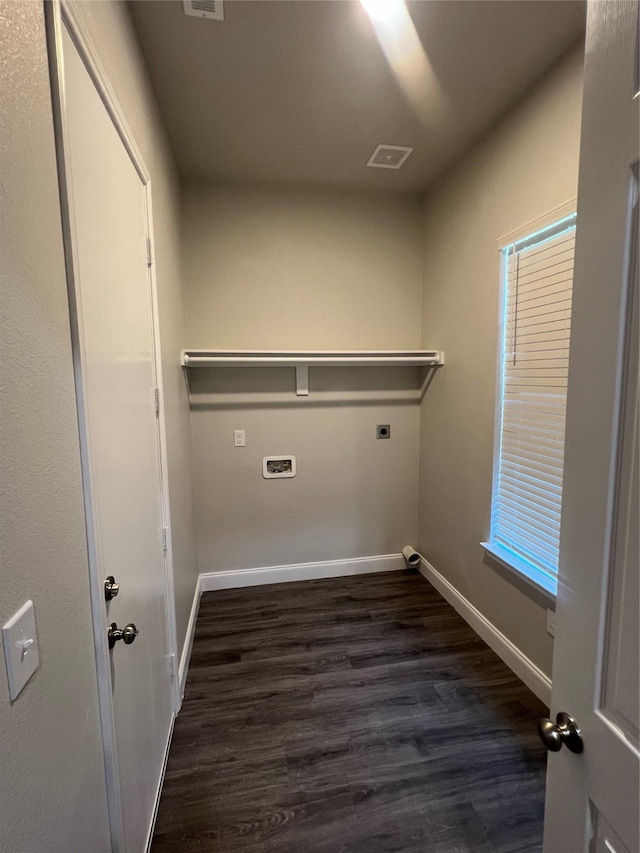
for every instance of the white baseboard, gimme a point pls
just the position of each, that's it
(300, 572)
(185, 657)
(515, 659)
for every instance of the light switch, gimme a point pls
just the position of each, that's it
(20, 648)
(239, 438)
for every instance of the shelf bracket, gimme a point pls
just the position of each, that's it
(302, 380)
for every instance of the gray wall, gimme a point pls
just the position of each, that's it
(313, 270)
(52, 796)
(52, 793)
(524, 169)
(287, 269)
(111, 32)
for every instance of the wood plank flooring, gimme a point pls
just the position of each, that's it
(350, 715)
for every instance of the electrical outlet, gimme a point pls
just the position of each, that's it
(238, 438)
(551, 622)
(383, 431)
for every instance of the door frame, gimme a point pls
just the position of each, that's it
(61, 14)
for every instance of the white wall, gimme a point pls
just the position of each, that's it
(52, 794)
(284, 269)
(527, 167)
(111, 32)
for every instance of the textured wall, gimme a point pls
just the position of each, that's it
(353, 495)
(52, 793)
(308, 270)
(282, 269)
(112, 34)
(527, 167)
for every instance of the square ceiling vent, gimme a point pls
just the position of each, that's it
(204, 9)
(389, 156)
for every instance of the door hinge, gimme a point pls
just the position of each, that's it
(149, 253)
(165, 539)
(156, 400)
(172, 665)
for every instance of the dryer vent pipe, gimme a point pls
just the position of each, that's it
(411, 557)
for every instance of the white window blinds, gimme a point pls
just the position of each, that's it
(538, 276)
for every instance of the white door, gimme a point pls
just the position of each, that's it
(592, 797)
(115, 362)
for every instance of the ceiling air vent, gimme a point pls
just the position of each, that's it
(389, 156)
(204, 9)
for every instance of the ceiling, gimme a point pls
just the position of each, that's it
(300, 92)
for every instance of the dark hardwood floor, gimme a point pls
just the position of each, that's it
(351, 715)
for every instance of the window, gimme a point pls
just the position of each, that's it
(537, 273)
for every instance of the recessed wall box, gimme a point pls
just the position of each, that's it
(278, 467)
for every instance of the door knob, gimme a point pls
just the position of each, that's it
(126, 634)
(563, 731)
(111, 588)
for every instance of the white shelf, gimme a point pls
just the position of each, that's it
(313, 358)
(302, 360)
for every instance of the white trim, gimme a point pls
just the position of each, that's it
(71, 16)
(185, 657)
(515, 659)
(300, 572)
(531, 575)
(163, 450)
(538, 223)
(154, 816)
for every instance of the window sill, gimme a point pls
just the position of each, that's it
(536, 578)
